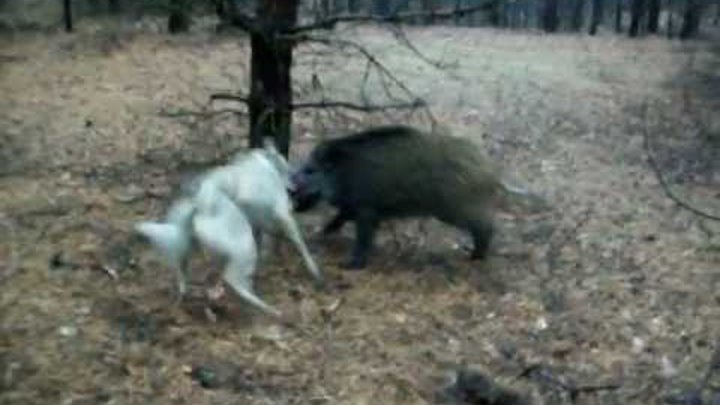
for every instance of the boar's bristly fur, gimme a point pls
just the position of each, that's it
(398, 171)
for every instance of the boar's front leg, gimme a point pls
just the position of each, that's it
(336, 223)
(482, 232)
(365, 226)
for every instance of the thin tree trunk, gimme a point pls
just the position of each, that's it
(550, 20)
(114, 6)
(653, 16)
(637, 13)
(428, 6)
(618, 16)
(270, 74)
(67, 15)
(691, 19)
(352, 6)
(494, 12)
(179, 20)
(597, 16)
(382, 8)
(577, 19)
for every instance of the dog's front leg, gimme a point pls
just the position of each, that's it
(182, 281)
(238, 274)
(292, 232)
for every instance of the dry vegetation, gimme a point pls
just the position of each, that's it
(616, 284)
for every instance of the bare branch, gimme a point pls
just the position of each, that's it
(661, 179)
(418, 103)
(330, 23)
(385, 73)
(200, 114)
(543, 375)
(230, 97)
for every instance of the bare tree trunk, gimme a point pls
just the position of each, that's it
(494, 9)
(179, 20)
(597, 15)
(637, 12)
(691, 19)
(352, 6)
(270, 74)
(577, 19)
(67, 15)
(671, 22)
(382, 7)
(428, 6)
(324, 8)
(550, 20)
(653, 16)
(114, 6)
(618, 16)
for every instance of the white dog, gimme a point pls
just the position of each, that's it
(226, 210)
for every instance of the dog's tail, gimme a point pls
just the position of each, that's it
(173, 238)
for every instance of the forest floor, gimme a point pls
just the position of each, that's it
(614, 285)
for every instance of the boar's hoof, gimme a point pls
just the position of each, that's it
(354, 264)
(478, 255)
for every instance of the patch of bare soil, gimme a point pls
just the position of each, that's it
(615, 285)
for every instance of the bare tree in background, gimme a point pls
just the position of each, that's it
(637, 12)
(597, 15)
(429, 6)
(577, 19)
(550, 19)
(67, 15)
(691, 19)
(653, 16)
(179, 20)
(618, 15)
(114, 6)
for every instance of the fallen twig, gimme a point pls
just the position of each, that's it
(661, 179)
(543, 376)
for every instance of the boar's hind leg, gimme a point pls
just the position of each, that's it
(365, 227)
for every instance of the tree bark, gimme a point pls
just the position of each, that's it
(382, 8)
(691, 19)
(578, 16)
(270, 74)
(179, 20)
(550, 20)
(653, 16)
(114, 6)
(428, 6)
(637, 12)
(597, 15)
(67, 15)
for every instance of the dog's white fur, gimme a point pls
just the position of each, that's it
(226, 211)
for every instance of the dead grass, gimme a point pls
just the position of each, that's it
(615, 284)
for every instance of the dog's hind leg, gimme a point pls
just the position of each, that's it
(238, 274)
(224, 229)
(183, 275)
(292, 231)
